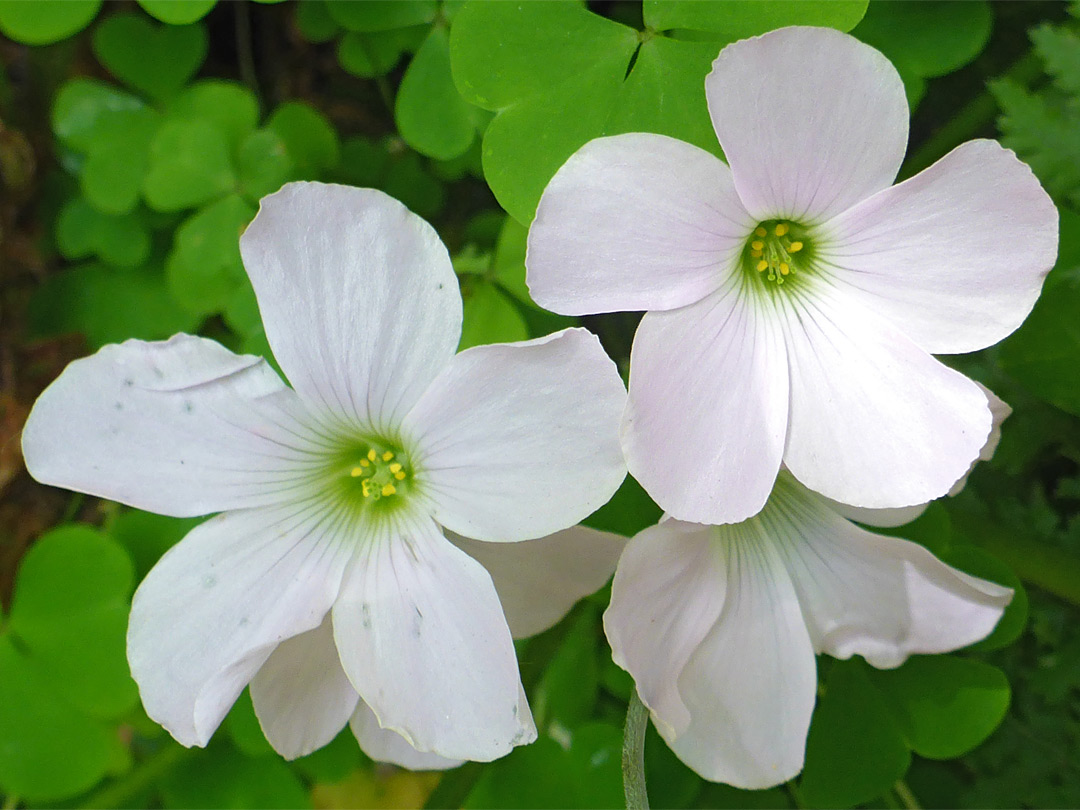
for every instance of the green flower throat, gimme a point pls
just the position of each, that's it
(778, 251)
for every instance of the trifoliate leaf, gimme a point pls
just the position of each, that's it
(204, 268)
(82, 231)
(82, 105)
(736, 19)
(314, 21)
(431, 115)
(381, 15)
(42, 22)
(488, 316)
(189, 165)
(263, 165)
(310, 140)
(115, 169)
(370, 55)
(177, 12)
(229, 106)
(155, 59)
(945, 705)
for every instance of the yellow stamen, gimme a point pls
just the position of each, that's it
(388, 489)
(795, 247)
(356, 472)
(400, 476)
(762, 265)
(372, 455)
(387, 456)
(755, 254)
(757, 244)
(781, 229)
(395, 467)
(365, 463)
(784, 269)
(760, 231)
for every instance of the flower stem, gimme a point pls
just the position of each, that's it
(121, 792)
(633, 754)
(907, 798)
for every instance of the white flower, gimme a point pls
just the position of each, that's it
(719, 625)
(795, 299)
(328, 562)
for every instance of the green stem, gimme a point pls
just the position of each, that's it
(907, 798)
(633, 754)
(970, 120)
(1049, 567)
(123, 791)
(244, 53)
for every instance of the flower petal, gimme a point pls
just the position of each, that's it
(999, 412)
(423, 640)
(515, 441)
(707, 414)
(384, 745)
(875, 421)
(955, 256)
(866, 594)
(635, 222)
(213, 609)
(667, 594)
(811, 121)
(301, 694)
(708, 623)
(358, 297)
(180, 427)
(538, 581)
(882, 518)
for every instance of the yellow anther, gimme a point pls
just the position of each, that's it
(794, 247)
(755, 254)
(757, 245)
(356, 472)
(781, 229)
(400, 476)
(784, 269)
(387, 456)
(365, 463)
(762, 265)
(372, 455)
(395, 467)
(366, 489)
(388, 489)
(760, 231)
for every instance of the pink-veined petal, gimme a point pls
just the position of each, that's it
(955, 256)
(359, 299)
(875, 421)
(635, 222)
(708, 623)
(423, 639)
(384, 745)
(301, 695)
(811, 121)
(538, 581)
(866, 594)
(519, 440)
(182, 427)
(213, 609)
(707, 413)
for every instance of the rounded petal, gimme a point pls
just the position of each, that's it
(301, 695)
(213, 609)
(707, 413)
(519, 440)
(538, 581)
(635, 222)
(667, 594)
(359, 299)
(875, 421)
(423, 640)
(882, 518)
(181, 427)
(384, 745)
(955, 256)
(879, 597)
(708, 623)
(811, 121)
(999, 412)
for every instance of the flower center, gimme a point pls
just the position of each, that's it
(777, 250)
(380, 473)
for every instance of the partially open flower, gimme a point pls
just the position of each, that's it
(329, 558)
(796, 298)
(719, 625)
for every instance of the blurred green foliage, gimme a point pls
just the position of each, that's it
(166, 121)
